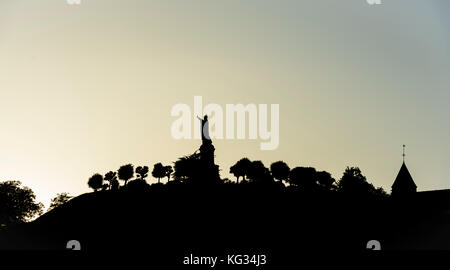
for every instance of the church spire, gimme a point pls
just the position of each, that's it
(404, 183)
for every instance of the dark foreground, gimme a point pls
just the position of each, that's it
(167, 224)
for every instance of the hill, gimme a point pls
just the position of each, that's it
(182, 217)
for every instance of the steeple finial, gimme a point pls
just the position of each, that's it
(404, 153)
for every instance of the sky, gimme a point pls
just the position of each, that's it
(87, 88)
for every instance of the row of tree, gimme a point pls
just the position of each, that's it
(245, 171)
(299, 176)
(18, 203)
(306, 178)
(125, 173)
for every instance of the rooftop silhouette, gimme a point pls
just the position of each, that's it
(404, 183)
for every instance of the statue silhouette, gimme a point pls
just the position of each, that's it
(210, 170)
(205, 129)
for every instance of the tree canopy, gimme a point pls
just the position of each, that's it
(96, 182)
(241, 168)
(142, 172)
(280, 170)
(60, 199)
(17, 203)
(126, 172)
(304, 177)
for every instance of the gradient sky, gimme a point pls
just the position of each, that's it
(85, 89)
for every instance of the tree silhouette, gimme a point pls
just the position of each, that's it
(142, 172)
(96, 182)
(110, 177)
(126, 172)
(325, 180)
(187, 167)
(380, 192)
(280, 171)
(137, 185)
(158, 171)
(60, 199)
(168, 172)
(241, 168)
(115, 184)
(258, 173)
(355, 183)
(304, 177)
(17, 203)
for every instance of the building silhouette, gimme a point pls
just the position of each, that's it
(404, 183)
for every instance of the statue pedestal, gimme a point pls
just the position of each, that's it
(211, 170)
(207, 152)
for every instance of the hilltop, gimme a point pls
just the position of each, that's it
(182, 215)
